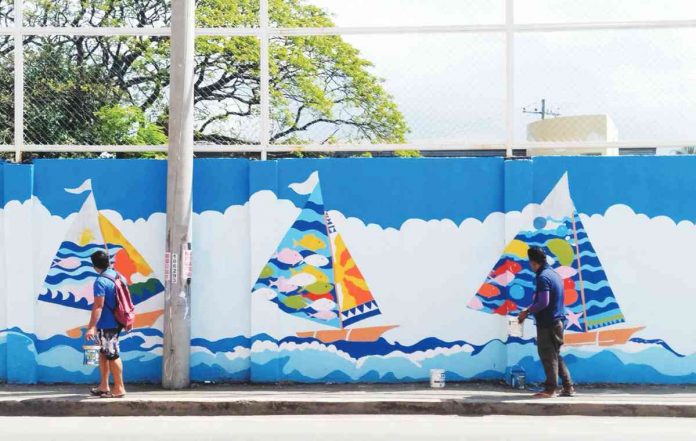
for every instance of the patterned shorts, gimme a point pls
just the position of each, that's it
(108, 340)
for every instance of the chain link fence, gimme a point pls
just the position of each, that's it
(410, 74)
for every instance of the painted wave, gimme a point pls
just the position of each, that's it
(263, 358)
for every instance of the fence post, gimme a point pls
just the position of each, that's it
(509, 77)
(177, 316)
(18, 79)
(264, 68)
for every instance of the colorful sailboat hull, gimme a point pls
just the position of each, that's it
(366, 335)
(606, 337)
(144, 320)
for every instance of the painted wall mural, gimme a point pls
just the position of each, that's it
(358, 270)
(589, 300)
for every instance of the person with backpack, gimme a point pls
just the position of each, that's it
(112, 312)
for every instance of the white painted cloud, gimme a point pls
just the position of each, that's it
(650, 265)
(422, 274)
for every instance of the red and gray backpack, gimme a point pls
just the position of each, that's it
(125, 310)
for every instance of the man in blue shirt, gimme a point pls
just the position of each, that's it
(105, 329)
(548, 309)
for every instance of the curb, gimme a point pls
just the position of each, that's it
(92, 408)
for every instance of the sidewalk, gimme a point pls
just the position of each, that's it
(456, 399)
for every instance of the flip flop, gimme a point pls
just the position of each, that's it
(96, 392)
(110, 395)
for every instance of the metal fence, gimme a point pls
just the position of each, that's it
(279, 76)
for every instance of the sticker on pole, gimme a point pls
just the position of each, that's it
(167, 266)
(175, 268)
(187, 264)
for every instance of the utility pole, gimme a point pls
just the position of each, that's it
(177, 299)
(543, 112)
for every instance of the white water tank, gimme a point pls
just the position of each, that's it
(578, 128)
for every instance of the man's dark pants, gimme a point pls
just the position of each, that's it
(549, 342)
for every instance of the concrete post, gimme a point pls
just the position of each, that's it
(177, 317)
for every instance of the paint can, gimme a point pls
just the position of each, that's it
(515, 328)
(518, 377)
(91, 355)
(518, 381)
(437, 378)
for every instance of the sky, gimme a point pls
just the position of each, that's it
(451, 86)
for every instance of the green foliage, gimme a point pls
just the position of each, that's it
(111, 90)
(126, 126)
(408, 154)
(6, 92)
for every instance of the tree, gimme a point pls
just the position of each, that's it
(6, 78)
(320, 86)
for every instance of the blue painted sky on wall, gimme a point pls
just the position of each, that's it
(390, 191)
(134, 188)
(379, 190)
(652, 185)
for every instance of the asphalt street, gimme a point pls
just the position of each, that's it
(334, 428)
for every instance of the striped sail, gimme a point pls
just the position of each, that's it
(299, 277)
(70, 279)
(588, 298)
(356, 301)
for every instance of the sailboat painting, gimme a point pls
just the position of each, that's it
(592, 311)
(70, 278)
(313, 276)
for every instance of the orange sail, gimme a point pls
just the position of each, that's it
(356, 301)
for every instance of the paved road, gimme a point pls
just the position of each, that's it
(354, 428)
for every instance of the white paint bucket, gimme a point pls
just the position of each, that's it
(91, 355)
(515, 328)
(437, 378)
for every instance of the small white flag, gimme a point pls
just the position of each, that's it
(86, 186)
(307, 186)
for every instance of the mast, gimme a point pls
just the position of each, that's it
(582, 286)
(327, 220)
(101, 230)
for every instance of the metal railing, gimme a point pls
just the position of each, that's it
(264, 32)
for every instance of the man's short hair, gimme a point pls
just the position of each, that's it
(100, 260)
(537, 255)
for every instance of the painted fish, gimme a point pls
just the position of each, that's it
(283, 285)
(566, 272)
(295, 302)
(475, 303)
(506, 308)
(488, 290)
(325, 315)
(318, 274)
(504, 279)
(266, 272)
(302, 279)
(319, 288)
(69, 263)
(288, 256)
(311, 242)
(323, 305)
(316, 260)
(508, 265)
(266, 293)
(314, 297)
(517, 248)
